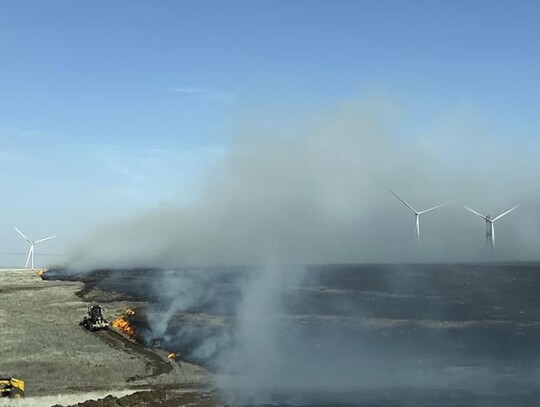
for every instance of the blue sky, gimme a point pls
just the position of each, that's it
(110, 107)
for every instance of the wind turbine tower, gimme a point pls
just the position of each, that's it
(418, 213)
(31, 252)
(490, 225)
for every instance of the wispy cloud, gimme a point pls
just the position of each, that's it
(11, 132)
(15, 143)
(208, 94)
(11, 157)
(190, 90)
(224, 97)
(138, 165)
(150, 164)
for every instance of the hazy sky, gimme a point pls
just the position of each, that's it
(110, 107)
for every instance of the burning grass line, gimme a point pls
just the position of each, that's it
(123, 324)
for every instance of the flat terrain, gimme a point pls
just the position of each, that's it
(41, 343)
(364, 335)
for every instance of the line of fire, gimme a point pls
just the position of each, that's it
(125, 324)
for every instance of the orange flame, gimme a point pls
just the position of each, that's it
(41, 273)
(121, 323)
(129, 312)
(172, 356)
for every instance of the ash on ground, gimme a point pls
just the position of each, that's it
(378, 335)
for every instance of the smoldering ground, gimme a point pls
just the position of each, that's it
(320, 197)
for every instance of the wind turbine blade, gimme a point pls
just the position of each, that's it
(476, 213)
(23, 235)
(47, 238)
(409, 206)
(505, 213)
(435, 207)
(492, 234)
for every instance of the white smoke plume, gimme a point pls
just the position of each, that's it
(320, 197)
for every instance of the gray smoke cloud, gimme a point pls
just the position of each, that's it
(258, 356)
(320, 197)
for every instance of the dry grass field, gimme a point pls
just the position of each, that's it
(42, 343)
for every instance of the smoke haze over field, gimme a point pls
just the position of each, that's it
(320, 197)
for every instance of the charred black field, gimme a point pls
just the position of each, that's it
(377, 335)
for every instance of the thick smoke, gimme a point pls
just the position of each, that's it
(320, 197)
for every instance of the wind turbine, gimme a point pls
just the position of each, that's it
(490, 224)
(32, 244)
(418, 213)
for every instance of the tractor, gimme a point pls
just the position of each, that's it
(94, 320)
(11, 387)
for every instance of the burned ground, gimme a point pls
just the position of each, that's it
(424, 333)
